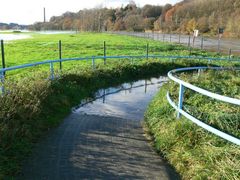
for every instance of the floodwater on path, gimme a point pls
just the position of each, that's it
(128, 101)
(102, 139)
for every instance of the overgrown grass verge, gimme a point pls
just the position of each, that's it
(33, 105)
(195, 153)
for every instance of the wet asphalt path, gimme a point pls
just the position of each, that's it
(94, 146)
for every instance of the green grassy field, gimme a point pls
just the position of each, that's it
(45, 47)
(194, 152)
(35, 104)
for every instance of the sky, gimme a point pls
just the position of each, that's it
(31, 11)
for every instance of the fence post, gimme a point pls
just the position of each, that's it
(93, 63)
(3, 56)
(229, 53)
(219, 45)
(170, 37)
(189, 40)
(202, 43)
(51, 71)
(179, 38)
(104, 52)
(147, 50)
(60, 53)
(180, 100)
(163, 37)
(190, 50)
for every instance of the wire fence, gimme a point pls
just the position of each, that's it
(228, 47)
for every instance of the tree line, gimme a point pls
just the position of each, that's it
(206, 15)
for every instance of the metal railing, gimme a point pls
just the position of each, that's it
(204, 92)
(170, 75)
(3, 71)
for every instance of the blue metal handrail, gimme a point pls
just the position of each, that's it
(114, 57)
(180, 110)
(170, 75)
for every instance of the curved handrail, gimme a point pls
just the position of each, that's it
(170, 75)
(200, 90)
(204, 125)
(203, 92)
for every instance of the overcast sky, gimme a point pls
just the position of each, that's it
(30, 11)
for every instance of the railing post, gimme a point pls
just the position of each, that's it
(93, 63)
(3, 56)
(51, 71)
(199, 72)
(2, 77)
(147, 50)
(180, 100)
(104, 52)
(60, 53)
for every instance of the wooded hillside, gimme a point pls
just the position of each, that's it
(184, 17)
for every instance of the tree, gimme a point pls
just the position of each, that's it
(151, 11)
(202, 24)
(134, 23)
(191, 26)
(148, 23)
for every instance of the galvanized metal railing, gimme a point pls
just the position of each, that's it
(179, 107)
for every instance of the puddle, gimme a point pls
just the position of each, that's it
(10, 37)
(128, 101)
(56, 32)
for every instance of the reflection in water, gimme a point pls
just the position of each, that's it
(128, 100)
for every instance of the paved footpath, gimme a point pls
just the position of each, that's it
(96, 147)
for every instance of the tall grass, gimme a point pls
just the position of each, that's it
(194, 152)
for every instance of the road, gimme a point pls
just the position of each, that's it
(224, 45)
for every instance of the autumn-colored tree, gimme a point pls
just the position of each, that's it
(134, 23)
(185, 16)
(148, 23)
(202, 24)
(119, 25)
(191, 26)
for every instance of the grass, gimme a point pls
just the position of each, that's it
(195, 153)
(33, 104)
(42, 47)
